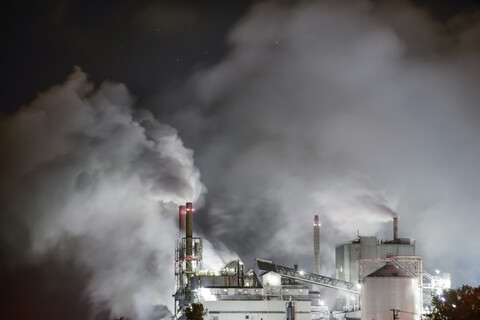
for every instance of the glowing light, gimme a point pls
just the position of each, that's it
(272, 279)
(301, 272)
(454, 305)
(359, 286)
(437, 271)
(207, 294)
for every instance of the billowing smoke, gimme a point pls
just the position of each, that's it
(89, 196)
(352, 110)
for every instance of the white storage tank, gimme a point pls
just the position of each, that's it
(387, 289)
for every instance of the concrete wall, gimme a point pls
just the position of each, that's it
(255, 310)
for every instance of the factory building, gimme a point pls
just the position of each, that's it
(351, 261)
(374, 279)
(273, 300)
(232, 293)
(348, 255)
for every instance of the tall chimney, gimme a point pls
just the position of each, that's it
(181, 219)
(189, 228)
(316, 245)
(395, 228)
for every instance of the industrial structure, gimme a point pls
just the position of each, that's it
(348, 255)
(374, 280)
(351, 258)
(233, 294)
(389, 291)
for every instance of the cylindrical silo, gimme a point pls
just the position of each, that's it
(390, 288)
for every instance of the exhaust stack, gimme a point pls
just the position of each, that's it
(189, 228)
(316, 245)
(395, 228)
(316, 249)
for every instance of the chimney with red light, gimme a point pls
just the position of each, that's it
(189, 229)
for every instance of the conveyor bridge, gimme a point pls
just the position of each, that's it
(305, 276)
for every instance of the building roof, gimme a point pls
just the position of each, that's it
(389, 271)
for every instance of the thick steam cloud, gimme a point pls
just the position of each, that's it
(90, 188)
(353, 110)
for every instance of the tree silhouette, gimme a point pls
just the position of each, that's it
(459, 304)
(195, 312)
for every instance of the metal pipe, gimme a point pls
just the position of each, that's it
(316, 245)
(290, 312)
(189, 248)
(189, 229)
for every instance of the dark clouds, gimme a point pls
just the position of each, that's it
(344, 109)
(135, 42)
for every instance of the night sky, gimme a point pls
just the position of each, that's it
(264, 113)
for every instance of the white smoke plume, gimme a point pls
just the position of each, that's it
(352, 110)
(92, 186)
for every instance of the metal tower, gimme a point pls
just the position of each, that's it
(188, 259)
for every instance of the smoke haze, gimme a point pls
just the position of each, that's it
(353, 110)
(89, 193)
(357, 111)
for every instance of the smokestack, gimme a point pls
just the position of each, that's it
(189, 246)
(181, 219)
(316, 245)
(189, 228)
(395, 228)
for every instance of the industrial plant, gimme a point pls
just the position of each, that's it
(374, 280)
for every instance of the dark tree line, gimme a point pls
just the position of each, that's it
(459, 304)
